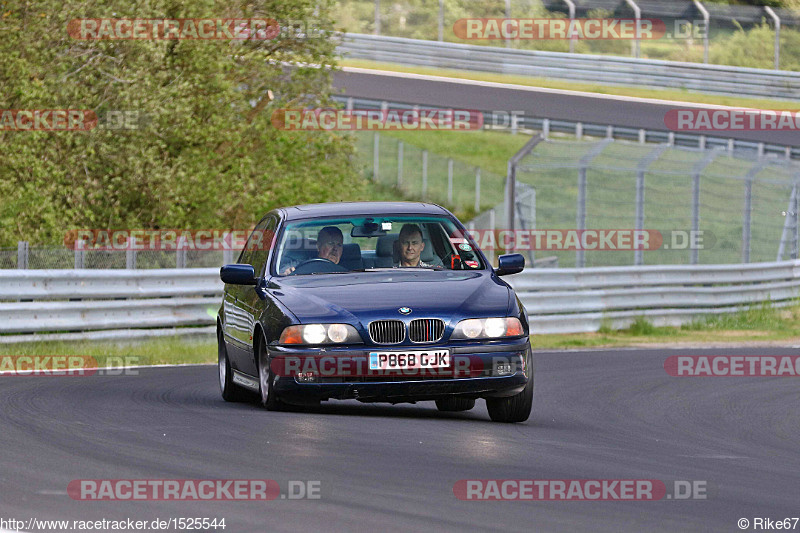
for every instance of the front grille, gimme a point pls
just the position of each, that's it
(387, 331)
(425, 330)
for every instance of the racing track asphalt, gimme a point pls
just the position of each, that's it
(534, 102)
(597, 415)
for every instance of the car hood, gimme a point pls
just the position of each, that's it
(372, 295)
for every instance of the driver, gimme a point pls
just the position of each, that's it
(411, 245)
(330, 243)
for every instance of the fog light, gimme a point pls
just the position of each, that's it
(305, 377)
(502, 369)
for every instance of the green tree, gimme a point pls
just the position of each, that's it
(206, 155)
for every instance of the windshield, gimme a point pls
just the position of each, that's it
(338, 245)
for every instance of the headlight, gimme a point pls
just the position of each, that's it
(488, 328)
(320, 334)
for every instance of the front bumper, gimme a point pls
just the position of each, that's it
(478, 370)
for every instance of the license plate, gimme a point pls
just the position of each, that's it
(410, 359)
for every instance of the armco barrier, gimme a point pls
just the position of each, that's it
(112, 304)
(609, 70)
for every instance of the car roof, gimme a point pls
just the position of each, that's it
(361, 209)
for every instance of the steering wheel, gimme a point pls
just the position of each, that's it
(318, 264)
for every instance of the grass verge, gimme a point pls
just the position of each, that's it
(758, 324)
(677, 95)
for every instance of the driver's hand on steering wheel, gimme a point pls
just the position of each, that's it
(288, 271)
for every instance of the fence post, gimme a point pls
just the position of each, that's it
(707, 21)
(450, 181)
(441, 20)
(22, 255)
(796, 232)
(573, 35)
(130, 254)
(424, 174)
(777, 20)
(492, 224)
(580, 208)
(478, 190)
(180, 254)
(79, 255)
(227, 256)
(641, 171)
(399, 164)
(375, 155)
(637, 13)
(748, 207)
(694, 253)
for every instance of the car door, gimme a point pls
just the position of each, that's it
(252, 300)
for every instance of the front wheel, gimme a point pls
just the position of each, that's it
(515, 408)
(266, 380)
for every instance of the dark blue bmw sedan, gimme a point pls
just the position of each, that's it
(373, 301)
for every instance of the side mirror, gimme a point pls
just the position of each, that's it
(238, 274)
(510, 264)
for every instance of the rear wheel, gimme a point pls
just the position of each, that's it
(230, 392)
(454, 403)
(266, 380)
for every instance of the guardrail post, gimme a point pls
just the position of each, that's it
(642, 136)
(180, 254)
(375, 155)
(130, 254)
(349, 105)
(478, 190)
(609, 132)
(79, 254)
(707, 21)
(23, 249)
(777, 21)
(638, 15)
(424, 174)
(579, 130)
(546, 129)
(514, 123)
(701, 142)
(450, 181)
(227, 256)
(731, 146)
(399, 164)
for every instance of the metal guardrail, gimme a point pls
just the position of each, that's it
(557, 300)
(106, 304)
(610, 70)
(570, 300)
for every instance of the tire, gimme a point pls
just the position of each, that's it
(515, 408)
(266, 380)
(230, 392)
(453, 404)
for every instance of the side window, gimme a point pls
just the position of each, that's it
(258, 245)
